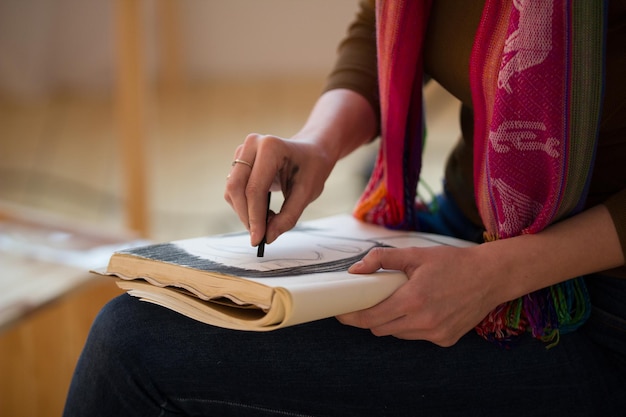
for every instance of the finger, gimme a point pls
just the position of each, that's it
(258, 225)
(398, 328)
(237, 180)
(292, 208)
(374, 317)
(396, 322)
(269, 157)
(437, 336)
(381, 326)
(299, 188)
(369, 318)
(385, 258)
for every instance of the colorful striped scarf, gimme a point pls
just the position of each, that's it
(536, 73)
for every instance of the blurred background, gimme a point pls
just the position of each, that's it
(118, 121)
(203, 74)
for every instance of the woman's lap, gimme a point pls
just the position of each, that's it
(144, 357)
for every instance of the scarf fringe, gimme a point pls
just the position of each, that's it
(545, 314)
(377, 208)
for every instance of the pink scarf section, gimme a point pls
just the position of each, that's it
(531, 166)
(390, 195)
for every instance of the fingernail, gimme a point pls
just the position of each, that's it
(254, 239)
(355, 266)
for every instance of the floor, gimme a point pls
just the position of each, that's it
(60, 154)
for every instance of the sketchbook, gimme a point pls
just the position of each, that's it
(303, 276)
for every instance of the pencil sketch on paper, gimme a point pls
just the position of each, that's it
(303, 250)
(298, 252)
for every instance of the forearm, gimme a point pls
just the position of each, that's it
(583, 244)
(341, 121)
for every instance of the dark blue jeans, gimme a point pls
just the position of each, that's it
(144, 360)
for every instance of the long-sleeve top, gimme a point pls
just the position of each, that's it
(448, 45)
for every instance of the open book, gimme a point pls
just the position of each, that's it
(303, 276)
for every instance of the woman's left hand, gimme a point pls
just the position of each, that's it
(446, 295)
(450, 290)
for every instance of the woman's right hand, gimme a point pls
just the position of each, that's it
(340, 122)
(296, 167)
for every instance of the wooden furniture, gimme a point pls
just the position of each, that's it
(130, 109)
(47, 306)
(48, 300)
(39, 352)
(131, 97)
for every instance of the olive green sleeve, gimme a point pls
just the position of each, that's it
(617, 208)
(355, 68)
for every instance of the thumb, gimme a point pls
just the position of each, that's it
(377, 258)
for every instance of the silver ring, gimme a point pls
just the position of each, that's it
(241, 161)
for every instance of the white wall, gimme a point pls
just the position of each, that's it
(51, 44)
(260, 37)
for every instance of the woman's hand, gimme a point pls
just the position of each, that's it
(340, 122)
(445, 297)
(298, 168)
(450, 290)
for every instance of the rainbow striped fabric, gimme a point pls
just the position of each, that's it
(536, 74)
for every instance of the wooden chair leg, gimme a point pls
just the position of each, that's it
(169, 46)
(130, 103)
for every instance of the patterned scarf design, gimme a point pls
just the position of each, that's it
(536, 78)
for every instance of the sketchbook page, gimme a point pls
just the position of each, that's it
(307, 267)
(215, 314)
(330, 244)
(307, 248)
(316, 252)
(303, 303)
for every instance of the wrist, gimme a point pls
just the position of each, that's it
(583, 244)
(340, 122)
(516, 268)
